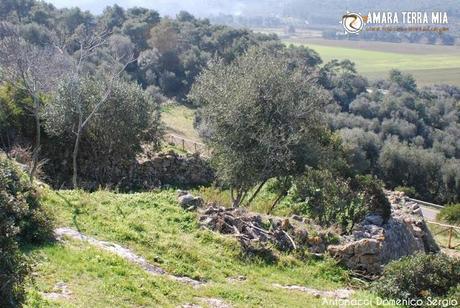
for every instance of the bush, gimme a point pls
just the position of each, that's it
(451, 214)
(419, 277)
(408, 191)
(331, 199)
(22, 220)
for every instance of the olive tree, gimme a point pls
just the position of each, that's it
(106, 126)
(263, 119)
(80, 97)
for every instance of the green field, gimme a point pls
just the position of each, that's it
(154, 226)
(428, 63)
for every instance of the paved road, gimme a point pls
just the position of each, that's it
(429, 213)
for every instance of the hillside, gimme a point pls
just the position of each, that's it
(155, 227)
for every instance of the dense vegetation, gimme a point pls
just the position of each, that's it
(451, 214)
(422, 277)
(22, 221)
(405, 135)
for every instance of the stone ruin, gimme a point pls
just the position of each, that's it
(371, 245)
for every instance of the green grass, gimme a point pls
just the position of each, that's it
(178, 119)
(441, 235)
(429, 67)
(154, 226)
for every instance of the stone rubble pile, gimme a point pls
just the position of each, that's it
(253, 229)
(372, 244)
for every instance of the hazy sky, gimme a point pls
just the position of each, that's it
(165, 7)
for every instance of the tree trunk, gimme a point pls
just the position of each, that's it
(280, 196)
(74, 160)
(238, 199)
(36, 150)
(256, 192)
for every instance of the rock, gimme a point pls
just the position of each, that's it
(181, 193)
(239, 278)
(171, 168)
(418, 212)
(366, 247)
(189, 202)
(297, 217)
(374, 220)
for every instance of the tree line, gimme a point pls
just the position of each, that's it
(94, 87)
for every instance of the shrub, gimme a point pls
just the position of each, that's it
(370, 189)
(22, 220)
(451, 213)
(408, 191)
(419, 277)
(331, 199)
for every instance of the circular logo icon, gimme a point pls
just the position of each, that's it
(352, 22)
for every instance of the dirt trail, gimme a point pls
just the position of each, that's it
(337, 294)
(124, 253)
(130, 256)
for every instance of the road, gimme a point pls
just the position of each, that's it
(429, 213)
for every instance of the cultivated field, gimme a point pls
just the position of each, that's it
(430, 64)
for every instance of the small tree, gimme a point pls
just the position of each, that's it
(82, 96)
(125, 118)
(32, 69)
(262, 118)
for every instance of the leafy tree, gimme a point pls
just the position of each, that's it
(32, 69)
(362, 149)
(263, 120)
(82, 97)
(413, 167)
(405, 81)
(113, 17)
(341, 78)
(110, 123)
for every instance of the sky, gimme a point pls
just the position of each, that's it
(199, 8)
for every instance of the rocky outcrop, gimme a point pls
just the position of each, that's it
(373, 243)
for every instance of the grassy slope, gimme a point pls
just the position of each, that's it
(154, 226)
(178, 119)
(427, 68)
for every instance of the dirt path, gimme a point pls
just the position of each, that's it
(124, 253)
(337, 294)
(131, 257)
